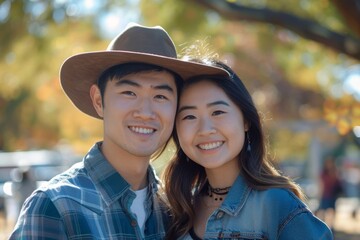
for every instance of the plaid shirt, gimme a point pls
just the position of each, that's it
(89, 201)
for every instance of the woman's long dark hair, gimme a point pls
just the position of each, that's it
(184, 179)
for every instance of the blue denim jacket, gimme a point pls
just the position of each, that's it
(91, 200)
(274, 214)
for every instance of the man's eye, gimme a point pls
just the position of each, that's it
(129, 93)
(161, 97)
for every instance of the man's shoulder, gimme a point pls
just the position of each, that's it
(70, 190)
(71, 182)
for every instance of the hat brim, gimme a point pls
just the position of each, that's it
(79, 72)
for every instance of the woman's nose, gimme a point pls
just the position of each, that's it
(206, 127)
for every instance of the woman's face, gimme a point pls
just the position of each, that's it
(210, 127)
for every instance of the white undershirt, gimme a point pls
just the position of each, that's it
(138, 207)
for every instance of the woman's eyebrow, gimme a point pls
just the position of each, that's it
(220, 102)
(187, 107)
(183, 108)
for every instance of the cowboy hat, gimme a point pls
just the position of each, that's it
(136, 43)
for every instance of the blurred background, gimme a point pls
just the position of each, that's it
(300, 61)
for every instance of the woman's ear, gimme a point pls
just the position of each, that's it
(246, 126)
(96, 99)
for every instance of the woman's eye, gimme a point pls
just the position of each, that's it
(218, 112)
(188, 117)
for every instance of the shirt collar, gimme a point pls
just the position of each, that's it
(107, 180)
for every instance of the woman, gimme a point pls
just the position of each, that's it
(220, 185)
(331, 188)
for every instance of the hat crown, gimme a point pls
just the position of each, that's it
(136, 44)
(150, 40)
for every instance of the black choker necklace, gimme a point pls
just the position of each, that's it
(218, 191)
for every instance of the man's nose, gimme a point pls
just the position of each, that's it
(145, 109)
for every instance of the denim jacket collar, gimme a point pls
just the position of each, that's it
(236, 197)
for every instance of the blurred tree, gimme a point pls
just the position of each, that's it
(35, 112)
(277, 61)
(268, 43)
(303, 26)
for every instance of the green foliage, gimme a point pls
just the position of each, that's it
(280, 68)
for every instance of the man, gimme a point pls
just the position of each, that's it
(133, 87)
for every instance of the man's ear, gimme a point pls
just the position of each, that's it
(96, 99)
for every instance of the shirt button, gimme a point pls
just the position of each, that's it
(219, 215)
(133, 223)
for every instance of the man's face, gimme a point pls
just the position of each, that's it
(138, 113)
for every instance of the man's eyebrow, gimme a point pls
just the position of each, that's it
(135, 84)
(126, 82)
(220, 102)
(164, 87)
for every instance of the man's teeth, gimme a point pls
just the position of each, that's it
(209, 146)
(142, 130)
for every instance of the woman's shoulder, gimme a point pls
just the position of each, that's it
(280, 203)
(280, 197)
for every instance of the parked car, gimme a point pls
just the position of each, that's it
(43, 165)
